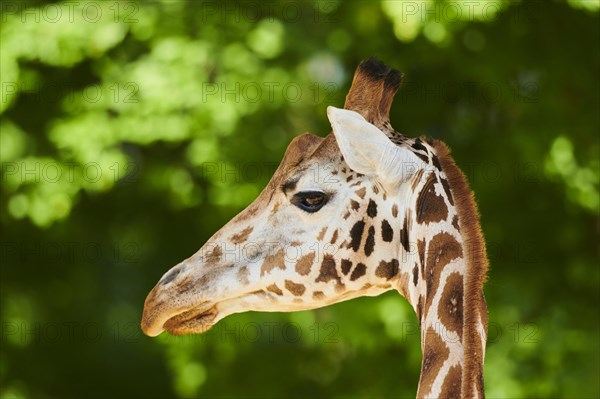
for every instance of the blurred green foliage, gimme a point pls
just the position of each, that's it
(131, 131)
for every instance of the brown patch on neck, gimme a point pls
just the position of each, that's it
(431, 208)
(474, 307)
(435, 354)
(442, 250)
(452, 383)
(450, 310)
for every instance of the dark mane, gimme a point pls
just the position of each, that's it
(476, 274)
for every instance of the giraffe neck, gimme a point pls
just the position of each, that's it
(445, 265)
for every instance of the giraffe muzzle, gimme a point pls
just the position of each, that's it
(156, 319)
(184, 301)
(196, 321)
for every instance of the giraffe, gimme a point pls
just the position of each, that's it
(359, 212)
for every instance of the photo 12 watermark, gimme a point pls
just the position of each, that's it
(51, 171)
(23, 333)
(65, 92)
(73, 12)
(58, 252)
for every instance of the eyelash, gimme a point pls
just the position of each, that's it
(310, 201)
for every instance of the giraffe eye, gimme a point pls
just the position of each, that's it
(309, 201)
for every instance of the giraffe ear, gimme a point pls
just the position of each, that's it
(367, 150)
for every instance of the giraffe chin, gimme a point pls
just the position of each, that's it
(193, 321)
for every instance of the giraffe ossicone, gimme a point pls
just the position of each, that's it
(359, 212)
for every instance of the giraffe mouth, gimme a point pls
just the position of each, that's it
(197, 320)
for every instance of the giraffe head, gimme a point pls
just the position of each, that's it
(358, 212)
(322, 231)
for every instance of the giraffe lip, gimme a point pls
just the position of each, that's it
(196, 320)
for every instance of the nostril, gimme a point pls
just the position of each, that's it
(170, 276)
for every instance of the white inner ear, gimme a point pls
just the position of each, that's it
(367, 150)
